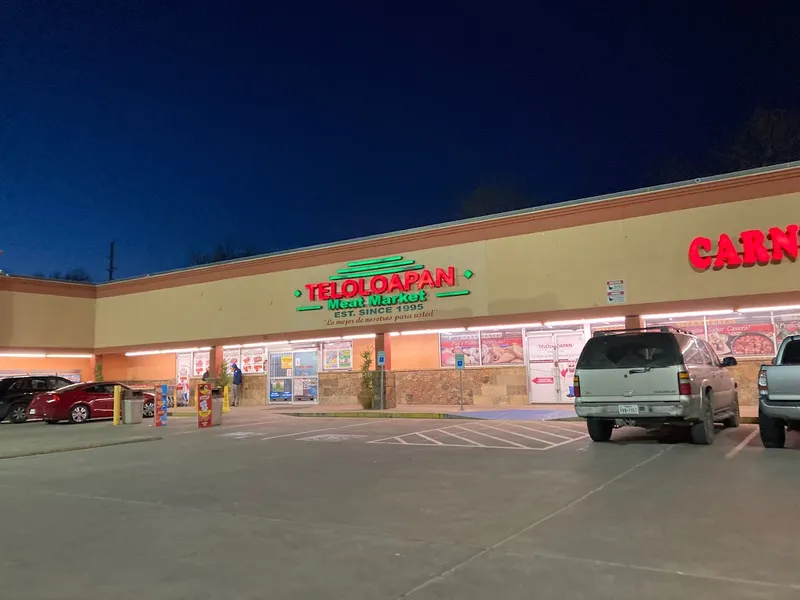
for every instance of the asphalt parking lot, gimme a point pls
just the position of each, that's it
(378, 509)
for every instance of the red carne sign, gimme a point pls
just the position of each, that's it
(382, 284)
(784, 244)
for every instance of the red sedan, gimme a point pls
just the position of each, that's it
(80, 402)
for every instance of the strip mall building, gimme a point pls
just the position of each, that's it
(517, 294)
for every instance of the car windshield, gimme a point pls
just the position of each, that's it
(627, 351)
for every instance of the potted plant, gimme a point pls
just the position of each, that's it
(365, 393)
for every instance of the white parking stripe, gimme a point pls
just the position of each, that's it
(564, 427)
(530, 437)
(275, 437)
(742, 444)
(491, 436)
(455, 435)
(422, 435)
(556, 435)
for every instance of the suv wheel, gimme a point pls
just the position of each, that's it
(773, 431)
(18, 414)
(149, 409)
(599, 429)
(734, 419)
(703, 431)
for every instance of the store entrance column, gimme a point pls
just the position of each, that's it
(552, 357)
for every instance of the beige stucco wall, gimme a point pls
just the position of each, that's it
(42, 321)
(549, 271)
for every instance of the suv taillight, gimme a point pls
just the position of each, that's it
(576, 386)
(762, 381)
(684, 384)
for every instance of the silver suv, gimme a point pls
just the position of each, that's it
(651, 377)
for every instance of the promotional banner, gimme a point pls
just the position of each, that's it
(200, 363)
(252, 360)
(162, 402)
(502, 347)
(183, 367)
(204, 405)
(786, 325)
(467, 344)
(232, 356)
(337, 356)
(742, 337)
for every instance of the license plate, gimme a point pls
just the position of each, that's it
(629, 409)
(33, 411)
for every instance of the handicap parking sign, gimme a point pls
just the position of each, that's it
(381, 358)
(459, 361)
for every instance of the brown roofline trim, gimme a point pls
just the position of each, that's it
(732, 302)
(24, 285)
(746, 187)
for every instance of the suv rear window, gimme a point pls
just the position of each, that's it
(632, 350)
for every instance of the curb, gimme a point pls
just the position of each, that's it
(151, 438)
(379, 415)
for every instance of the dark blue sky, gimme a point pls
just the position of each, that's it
(166, 129)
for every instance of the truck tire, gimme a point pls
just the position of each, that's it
(703, 431)
(773, 431)
(599, 429)
(734, 419)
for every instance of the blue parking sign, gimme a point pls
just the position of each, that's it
(459, 361)
(381, 358)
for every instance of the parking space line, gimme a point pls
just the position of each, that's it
(529, 437)
(430, 439)
(455, 435)
(229, 426)
(561, 427)
(741, 445)
(284, 435)
(556, 435)
(491, 436)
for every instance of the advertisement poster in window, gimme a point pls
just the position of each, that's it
(742, 337)
(502, 347)
(696, 327)
(231, 356)
(280, 389)
(305, 363)
(786, 325)
(183, 370)
(252, 360)
(305, 387)
(337, 356)
(200, 362)
(467, 343)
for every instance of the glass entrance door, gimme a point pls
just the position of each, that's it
(551, 365)
(293, 376)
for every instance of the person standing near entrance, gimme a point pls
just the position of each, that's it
(237, 384)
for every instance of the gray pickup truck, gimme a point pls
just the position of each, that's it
(779, 394)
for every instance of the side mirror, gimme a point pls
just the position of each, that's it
(729, 361)
(774, 360)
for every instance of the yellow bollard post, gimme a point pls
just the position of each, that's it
(117, 403)
(226, 399)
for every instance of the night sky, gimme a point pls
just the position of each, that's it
(167, 129)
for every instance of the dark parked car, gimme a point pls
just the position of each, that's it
(82, 401)
(16, 394)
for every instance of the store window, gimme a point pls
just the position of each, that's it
(493, 347)
(200, 362)
(293, 375)
(232, 356)
(786, 325)
(252, 360)
(337, 356)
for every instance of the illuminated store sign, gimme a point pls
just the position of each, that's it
(379, 285)
(758, 248)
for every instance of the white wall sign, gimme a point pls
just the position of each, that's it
(615, 291)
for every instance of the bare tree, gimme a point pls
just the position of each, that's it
(493, 199)
(768, 137)
(76, 275)
(220, 253)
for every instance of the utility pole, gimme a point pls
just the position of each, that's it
(111, 267)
